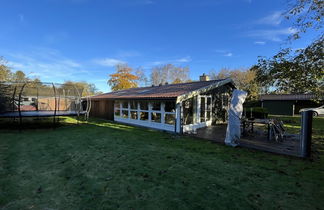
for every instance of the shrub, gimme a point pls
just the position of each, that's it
(257, 112)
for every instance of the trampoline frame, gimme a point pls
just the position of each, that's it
(79, 106)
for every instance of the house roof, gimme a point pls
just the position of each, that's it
(169, 91)
(287, 97)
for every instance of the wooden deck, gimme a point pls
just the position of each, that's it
(217, 133)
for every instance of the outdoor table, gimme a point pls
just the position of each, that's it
(250, 123)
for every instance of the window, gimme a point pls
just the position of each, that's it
(134, 115)
(202, 109)
(156, 106)
(125, 113)
(117, 112)
(34, 99)
(169, 106)
(225, 100)
(156, 117)
(208, 115)
(209, 109)
(143, 115)
(26, 99)
(209, 105)
(188, 111)
(143, 105)
(125, 104)
(133, 104)
(170, 119)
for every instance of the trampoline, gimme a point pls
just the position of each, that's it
(41, 114)
(39, 99)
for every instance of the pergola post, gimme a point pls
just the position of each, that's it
(178, 118)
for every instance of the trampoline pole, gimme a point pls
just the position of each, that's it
(54, 104)
(19, 101)
(37, 98)
(79, 101)
(58, 105)
(14, 101)
(88, 113)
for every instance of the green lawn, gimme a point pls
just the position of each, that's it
(103, 165)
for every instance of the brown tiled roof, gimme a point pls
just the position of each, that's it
(170, 91)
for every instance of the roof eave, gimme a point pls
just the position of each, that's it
(205, 89)
(140, 98)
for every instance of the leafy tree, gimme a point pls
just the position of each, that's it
(19, 76)
(5, 90)
(123, 78)
(244, 79)
(294, 72)
(5, 72)
(306, 14)
(169, 73)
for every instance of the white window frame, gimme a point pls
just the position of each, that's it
(147, 123)
(197, 121)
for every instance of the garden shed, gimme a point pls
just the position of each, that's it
(288, 104)
(178, 108)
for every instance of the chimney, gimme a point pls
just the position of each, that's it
(204, 77)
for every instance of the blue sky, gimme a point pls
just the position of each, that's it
(58, 40)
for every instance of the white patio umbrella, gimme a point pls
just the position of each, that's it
(233, 131)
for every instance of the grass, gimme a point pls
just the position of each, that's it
(104, 165)
(292, 125)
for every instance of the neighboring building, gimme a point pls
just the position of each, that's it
(172, 107)
(35, 103)
(287, 104)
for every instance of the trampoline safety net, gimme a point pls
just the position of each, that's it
(39, 99)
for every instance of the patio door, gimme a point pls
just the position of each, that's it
(205, 108)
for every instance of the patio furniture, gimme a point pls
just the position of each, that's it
(275, 128)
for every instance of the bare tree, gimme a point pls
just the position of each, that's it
(180, 74)
(142, 79)
(169, 73)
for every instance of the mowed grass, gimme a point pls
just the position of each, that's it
(104, 165)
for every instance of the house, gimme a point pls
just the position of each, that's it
(287, 104)
(172, 107)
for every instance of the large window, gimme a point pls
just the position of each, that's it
(156, 106)
(188, 111)
(143, 105)
(169, 119)
(209, 109)
(144, 115)
(156, 117)
(205, 108)
(125, 104)
(169, 106)
(125, 114)
(225, 100)
(146, 111)
(133, 115)
(133, 105)
(202, 109)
